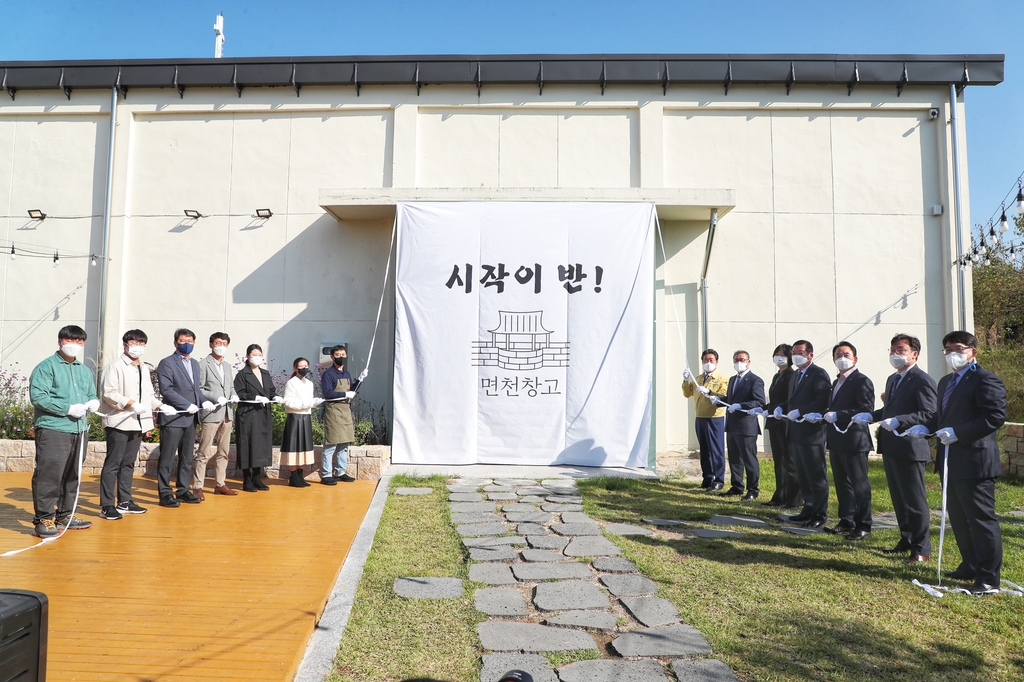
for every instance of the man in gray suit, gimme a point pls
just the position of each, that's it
(216, 380)
(178, 376)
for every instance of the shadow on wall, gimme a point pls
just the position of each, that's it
(337, 270)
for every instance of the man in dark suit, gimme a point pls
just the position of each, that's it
(972, 406)
(909, 400)
(181, 388)
(808, 394)
(745, 392)
(787, 485)
(852, 393)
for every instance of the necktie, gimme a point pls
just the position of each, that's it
(896, 383)
(949, 390)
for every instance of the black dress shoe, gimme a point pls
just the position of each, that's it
(841, 528)
(961, 573)
(188, 498)
(169, 501)
(795, 518)
(771, 503)
(900, 548)
(749, 496)
(732, 492)
(706, 484)
(858, 534)
(980, 589)
(716, 486)
(814, 523)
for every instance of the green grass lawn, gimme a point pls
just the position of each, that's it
(389, 638)
(776, 606)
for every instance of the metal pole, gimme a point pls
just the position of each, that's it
(954, 131)
(704, 275)
(107, 201)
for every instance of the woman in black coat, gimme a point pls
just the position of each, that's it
(254, 422)
(787, 485)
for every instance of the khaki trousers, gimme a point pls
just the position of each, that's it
(222, 432)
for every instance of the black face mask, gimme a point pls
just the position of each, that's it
(302, 371)
(340, 361)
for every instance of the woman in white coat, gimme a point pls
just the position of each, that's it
(297, 442)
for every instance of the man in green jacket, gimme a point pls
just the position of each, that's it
(62, 391)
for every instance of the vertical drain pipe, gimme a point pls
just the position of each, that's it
(956, 207)
(104, 259)
(704, 276)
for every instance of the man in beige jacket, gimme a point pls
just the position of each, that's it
(217, 383)
(128, 406)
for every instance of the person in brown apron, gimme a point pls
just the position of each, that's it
(339, 389)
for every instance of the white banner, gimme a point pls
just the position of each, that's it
(524, 333)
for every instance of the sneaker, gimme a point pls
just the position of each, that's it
(130, 507)
(329, 480)
(110, 514)
(74, 523)
(46, 528)
(345, 478)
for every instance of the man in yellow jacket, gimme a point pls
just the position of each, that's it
(710, 423)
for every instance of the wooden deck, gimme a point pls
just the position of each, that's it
(227, 589)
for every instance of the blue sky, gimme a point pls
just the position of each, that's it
(103, 29)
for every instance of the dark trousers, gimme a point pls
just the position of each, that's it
(972, 513)
(711, 437)
(119, 466)
(812, 473)
(180, 441)
(55, 480)
(853, 489)
(743, 458)
(906, 487)
(787, 485)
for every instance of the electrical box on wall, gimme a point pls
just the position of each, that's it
(325, 351)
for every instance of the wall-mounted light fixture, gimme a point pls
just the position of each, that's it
(263, 213)
(36, 214)
(193, 214)
(56, 259)
(13, 254)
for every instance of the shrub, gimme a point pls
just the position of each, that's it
(16, 413)
(1008, 365)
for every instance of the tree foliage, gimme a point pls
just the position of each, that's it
(998, 281)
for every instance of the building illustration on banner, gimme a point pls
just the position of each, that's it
(520, 342)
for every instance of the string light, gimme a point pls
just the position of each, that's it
(1004, 224)
(1020, 199)
(92, 260)
(56, 259)
(13, 254)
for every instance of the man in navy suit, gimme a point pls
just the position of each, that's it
(972, 406)
(181, 388)
(745, 392)
(852, 393)
(808, 395)
(909, 400)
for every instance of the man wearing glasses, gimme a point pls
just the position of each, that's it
(972, 405)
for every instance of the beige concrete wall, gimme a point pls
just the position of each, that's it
(832, 236)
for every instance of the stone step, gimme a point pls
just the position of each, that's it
(612, 671)
(661, 642)
(428, 588)
(569, 595)
(500, 601)
(497, 635)
(562, 571)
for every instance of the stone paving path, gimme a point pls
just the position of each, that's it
(554, 582)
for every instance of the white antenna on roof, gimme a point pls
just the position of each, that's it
(218, 30)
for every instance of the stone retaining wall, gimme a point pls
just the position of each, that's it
(365, 462)
(1012, 445)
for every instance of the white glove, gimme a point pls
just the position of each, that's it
(278, 399)
(831, 417)
(704, 390)
(813, 417)
(138, 408)
(733, 408)
(262, 399)
(758, 412)
(192, 409)
(208, 406)
(222, 401)
(687, 376)
(794, 415)
(362, 375)
(890, 424)
(777, 413)
(350, 395)
(167, 409)
(918, 431)
(92, 405)
(862, 418)
(77, 411)
(233, 400)
(946, 436)
(317, 401)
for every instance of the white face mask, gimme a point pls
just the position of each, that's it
(799, 360)
(219, 351)
(957, 361)
(72, 350)
(709, 367)
(781, 360)
(256, 360)
(898, 361)
(844, 364)
(135, 352)
(740, 367)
